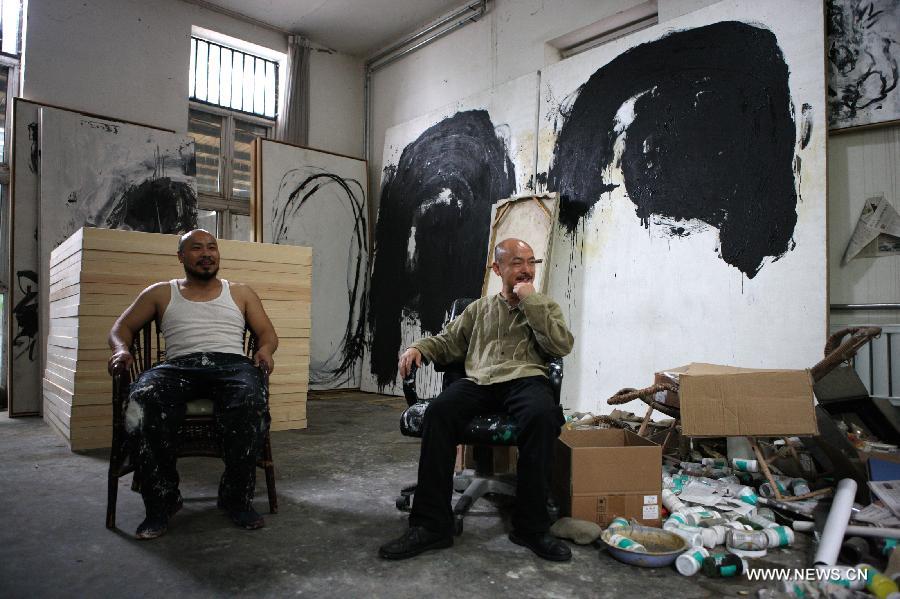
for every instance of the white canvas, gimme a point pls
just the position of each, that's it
(640, 298)
(510, 111)
(108, 174)
(23, 344)
(318, 199)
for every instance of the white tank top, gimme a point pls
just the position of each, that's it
(213, 326)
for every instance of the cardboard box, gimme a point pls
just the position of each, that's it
(725, 401)
(670, 376)
(504, 459)
(601, 474)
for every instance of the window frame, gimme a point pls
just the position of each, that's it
(225, 204)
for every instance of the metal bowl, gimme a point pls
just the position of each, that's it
(663, 547)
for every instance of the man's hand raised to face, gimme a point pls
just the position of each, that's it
(523, 289)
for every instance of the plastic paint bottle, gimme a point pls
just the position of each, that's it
(780, 536)
(690, 562)
(720, 531)
(618, 522)
(766, 489)
(692, 538)
(877, 583)
(745, 465)
(671, 501)
(799, 487)
(715, 462)
(677, 518)
(747, 541)
(695, 518)
(721, 565)
(761, 521)
(621, 542)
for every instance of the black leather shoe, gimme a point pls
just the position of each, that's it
(543, 545)
(413, 542)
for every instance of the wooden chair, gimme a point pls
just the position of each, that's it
(198, 435)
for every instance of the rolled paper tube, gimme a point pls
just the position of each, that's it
(836, 523)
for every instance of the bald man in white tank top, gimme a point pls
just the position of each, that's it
(202, 319)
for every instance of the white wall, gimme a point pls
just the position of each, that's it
(336, 102)
(129, 59)
(861, 164)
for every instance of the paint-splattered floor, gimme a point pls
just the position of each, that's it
(336, 484)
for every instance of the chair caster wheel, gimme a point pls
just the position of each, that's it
(458, 525)
(403, 503)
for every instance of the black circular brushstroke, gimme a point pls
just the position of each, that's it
(443, 186)
(712, 138)
(353, 343)
(156, 205)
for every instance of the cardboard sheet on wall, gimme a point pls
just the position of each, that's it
(531, 218)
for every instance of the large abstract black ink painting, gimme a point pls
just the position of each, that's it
(433, 228)
(707, 133)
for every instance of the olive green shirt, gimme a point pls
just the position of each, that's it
(500, 342)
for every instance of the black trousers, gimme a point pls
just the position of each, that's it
(530, 401)
(156, 408)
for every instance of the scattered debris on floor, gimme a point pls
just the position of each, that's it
(731, 499)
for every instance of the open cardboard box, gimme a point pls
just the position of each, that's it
(603, 473)
(726, 401)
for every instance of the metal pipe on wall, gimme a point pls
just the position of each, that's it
(467, 14)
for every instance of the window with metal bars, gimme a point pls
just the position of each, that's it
(232, 79)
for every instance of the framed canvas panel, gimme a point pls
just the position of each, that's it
(318, 199)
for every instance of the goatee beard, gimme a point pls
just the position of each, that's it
(202, 275)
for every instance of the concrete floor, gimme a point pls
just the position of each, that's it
(336, 485)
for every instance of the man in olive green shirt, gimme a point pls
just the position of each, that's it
(506, 341)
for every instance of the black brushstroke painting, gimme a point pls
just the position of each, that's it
(26, 314)
(351, 193)
(433, 229)
(147, 199)
(862, 61)
(712, 138)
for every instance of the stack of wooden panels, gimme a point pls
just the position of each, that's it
(97, 273)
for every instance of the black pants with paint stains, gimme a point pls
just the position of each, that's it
(156, 409)
(530, 401)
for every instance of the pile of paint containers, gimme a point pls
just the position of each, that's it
(735, 521)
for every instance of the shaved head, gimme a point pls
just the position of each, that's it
(189, 235)
(508, 246)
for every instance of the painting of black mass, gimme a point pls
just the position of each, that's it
(707, 123)
(433, 228)
(863, 51)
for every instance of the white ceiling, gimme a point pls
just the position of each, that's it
(357, 27)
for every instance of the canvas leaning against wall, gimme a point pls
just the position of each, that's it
(690, 162)
(24, 345)
(101, 173)
(863, 52)
(313, 198)
(442, 174)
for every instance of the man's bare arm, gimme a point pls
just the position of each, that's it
(259, 323)
(139, 313)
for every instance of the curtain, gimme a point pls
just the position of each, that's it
(293, 122)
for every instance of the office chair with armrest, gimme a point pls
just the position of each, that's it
(198, 435)
(483, 433)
